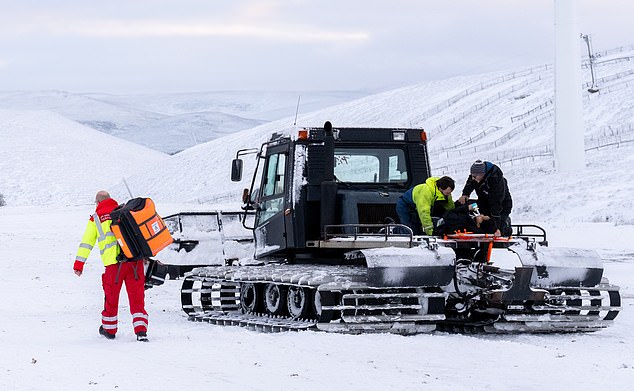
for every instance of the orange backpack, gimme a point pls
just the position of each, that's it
(140, 231)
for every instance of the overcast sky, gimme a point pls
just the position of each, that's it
(138, 46)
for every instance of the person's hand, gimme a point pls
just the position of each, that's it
(77, 273)
(497, 233)
(463, 199)
(480, 218)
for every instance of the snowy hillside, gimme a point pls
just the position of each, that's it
(172, 122)
(49, 159)
(505, 117)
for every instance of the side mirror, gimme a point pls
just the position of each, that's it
(236, 170)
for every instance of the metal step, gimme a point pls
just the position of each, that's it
(392, 295)
(576, 297)
(545, 318)
(391, 319)
(402, 328)
(575, 308)
(567, 326)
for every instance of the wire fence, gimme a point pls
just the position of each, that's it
(477, 88)
(606, 137)
(472, 138)
(611, 61)
(610, 136)
(477, 107)
(532, 111)
(607, 89)
(520, 128)
(606, 79)
(537, 113)
(616, 143)
(609, 52)
(611, 130)
(508, 156)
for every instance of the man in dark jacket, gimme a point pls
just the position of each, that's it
(494, 198)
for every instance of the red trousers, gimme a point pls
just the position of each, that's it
(113, 278)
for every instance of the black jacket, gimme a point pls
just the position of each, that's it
(457, 219)
(494, 198)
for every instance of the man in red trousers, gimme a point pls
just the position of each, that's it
(116, 273)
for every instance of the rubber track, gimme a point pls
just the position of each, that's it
(255, 322)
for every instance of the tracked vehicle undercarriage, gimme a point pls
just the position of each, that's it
(307, 298)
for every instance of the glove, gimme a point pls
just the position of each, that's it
(78, 266)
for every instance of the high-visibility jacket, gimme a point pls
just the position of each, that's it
(98, 230)
(424, 197)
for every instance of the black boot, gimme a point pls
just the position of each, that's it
(142, 336)
(105, 333)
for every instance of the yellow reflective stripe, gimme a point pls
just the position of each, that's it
(82, 259)
(85, 245)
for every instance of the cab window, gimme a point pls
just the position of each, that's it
(272, 200)
(364, 165)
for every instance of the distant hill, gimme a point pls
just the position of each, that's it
(172, 122)
(172, 134)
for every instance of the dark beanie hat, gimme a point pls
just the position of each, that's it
(478, 168)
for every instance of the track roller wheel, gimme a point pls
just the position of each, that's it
(274, 299)
(325, 298)
(249, 297)
(298, 302)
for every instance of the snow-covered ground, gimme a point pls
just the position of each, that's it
(49, 340)
(50, 168)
